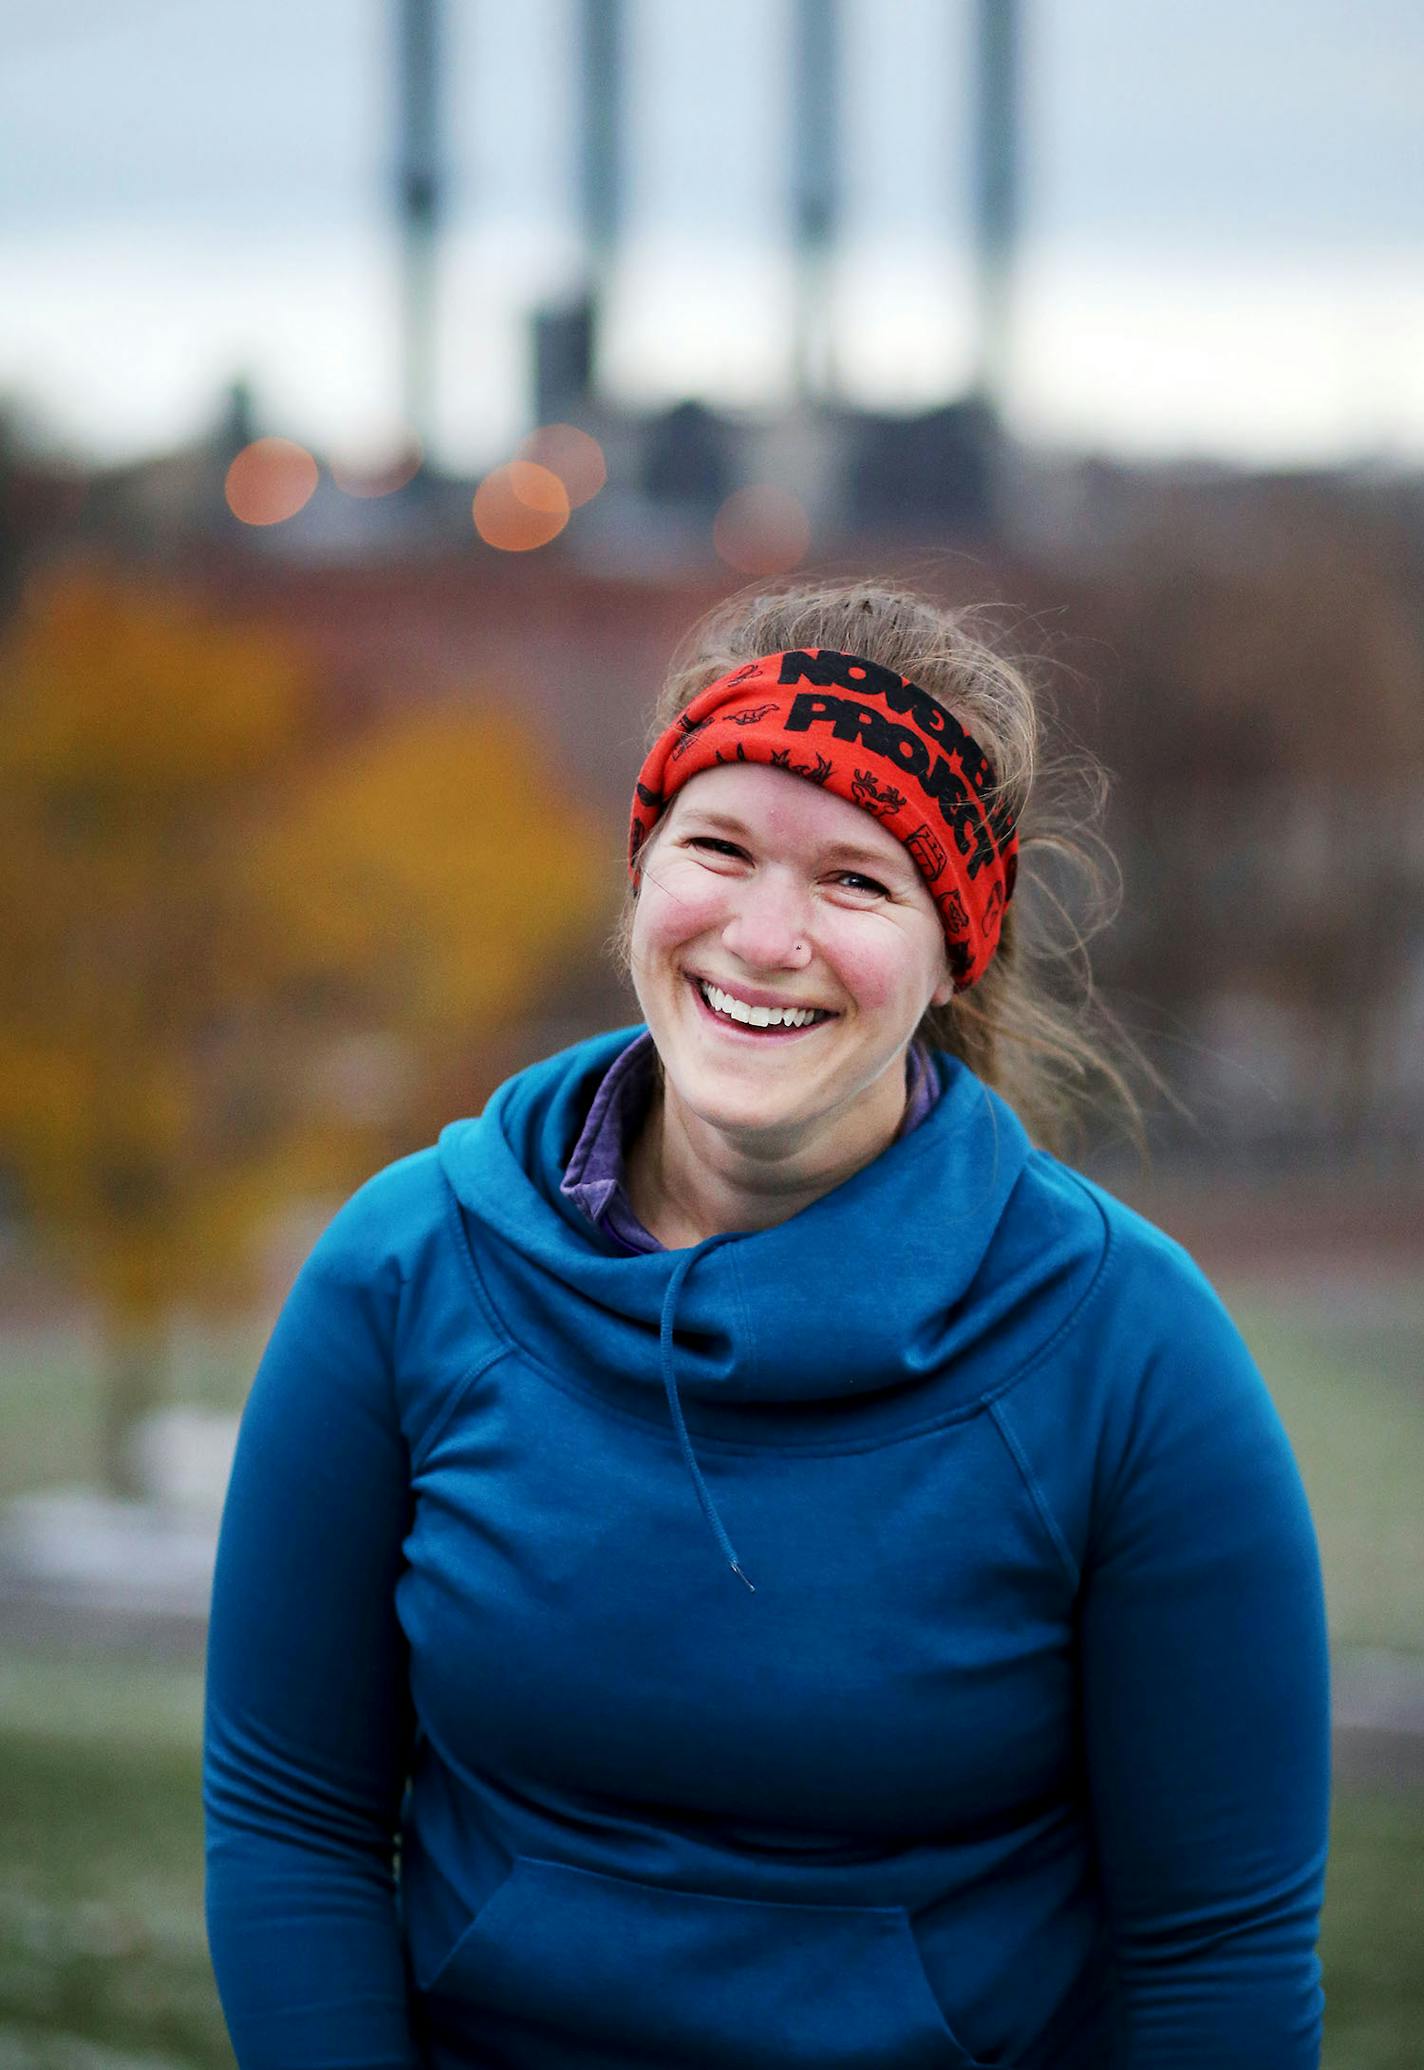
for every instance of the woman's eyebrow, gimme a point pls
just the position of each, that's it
(873, 863)
(704, 818)
(723, 822)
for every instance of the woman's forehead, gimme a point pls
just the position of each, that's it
(777, 806)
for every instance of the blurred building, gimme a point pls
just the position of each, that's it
(1244, 651)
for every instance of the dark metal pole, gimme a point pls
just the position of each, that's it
(996, 187)
(815, 183)
(419, 199)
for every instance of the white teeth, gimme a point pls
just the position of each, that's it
(758, 1016)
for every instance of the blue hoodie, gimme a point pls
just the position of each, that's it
(889, 1641)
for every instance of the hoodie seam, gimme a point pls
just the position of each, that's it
(440, 1423)
(1074, 1316)
(1036, 1495)
(744, 1447)
(465, 1252)
(998, 1408)
(744, 1309)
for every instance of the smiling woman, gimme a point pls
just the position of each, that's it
(1029, 1023)
(782, 967)
(999, 1736)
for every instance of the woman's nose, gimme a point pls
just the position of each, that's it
(769, 926)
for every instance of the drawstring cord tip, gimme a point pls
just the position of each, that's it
(742, 1577)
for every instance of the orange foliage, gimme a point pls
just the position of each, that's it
(129, 732)
(433, 870)
(230, 953)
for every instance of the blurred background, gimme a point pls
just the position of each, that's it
(384, 387)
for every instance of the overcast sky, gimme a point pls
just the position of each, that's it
(1223, 237)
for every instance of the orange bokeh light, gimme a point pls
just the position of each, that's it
(270, 481)
(520, 506)
(575, 457)
(761, 530)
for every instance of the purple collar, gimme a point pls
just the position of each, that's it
(595, 1175)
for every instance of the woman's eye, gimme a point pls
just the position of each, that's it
(854, 880)
(717, 847)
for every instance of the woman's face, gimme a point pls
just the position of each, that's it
(762, 891)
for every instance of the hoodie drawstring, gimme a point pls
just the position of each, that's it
(667, 1362)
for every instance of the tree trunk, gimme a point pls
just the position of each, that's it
(135, 1382)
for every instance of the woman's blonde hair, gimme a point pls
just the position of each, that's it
(1033, 1027)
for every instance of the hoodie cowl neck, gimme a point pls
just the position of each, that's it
(866, 1290)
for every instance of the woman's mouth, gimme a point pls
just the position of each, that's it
(742, 1017)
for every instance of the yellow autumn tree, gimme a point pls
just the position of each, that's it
(430, 873)
(215, 923)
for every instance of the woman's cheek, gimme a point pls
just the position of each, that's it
(677, 904)
(893, 968)
(876, 973)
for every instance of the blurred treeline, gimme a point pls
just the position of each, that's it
(249, 944)
(300, 850)
(1255, 656)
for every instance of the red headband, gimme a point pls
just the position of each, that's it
(904, 774)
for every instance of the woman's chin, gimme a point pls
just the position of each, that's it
(740, 1095)
(746, 1110)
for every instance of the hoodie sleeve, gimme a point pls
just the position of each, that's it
(1205, 1708)
(306, 1733)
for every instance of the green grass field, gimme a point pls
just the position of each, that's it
(1346, 1368)
(102, 1958)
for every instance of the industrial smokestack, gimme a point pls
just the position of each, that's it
(601, 32)
(419, 199)
(566, 337)
(996, 188)
(815, 186)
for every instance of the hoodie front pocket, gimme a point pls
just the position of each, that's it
(563, 1964)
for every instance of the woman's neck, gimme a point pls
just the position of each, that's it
(688, 1180)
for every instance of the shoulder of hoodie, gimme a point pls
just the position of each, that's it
(1129, 1270)
(389, 1227)
(383, 1232)
(1146, 1398)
